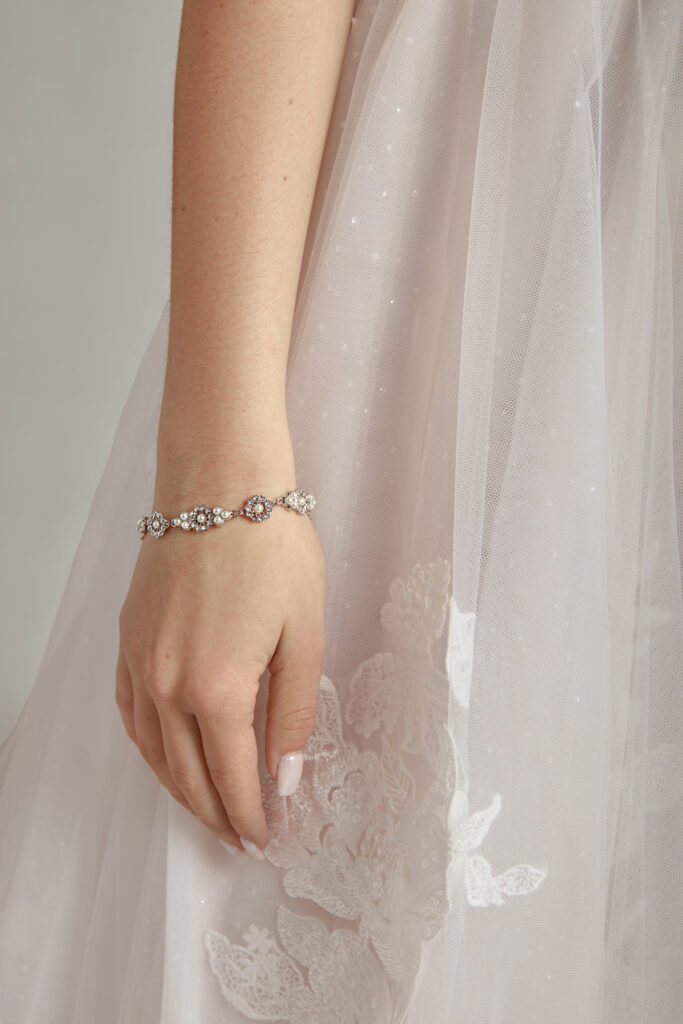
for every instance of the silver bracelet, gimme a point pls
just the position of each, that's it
(257, 508)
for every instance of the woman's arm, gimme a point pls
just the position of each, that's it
(206, 614)
(255, 84)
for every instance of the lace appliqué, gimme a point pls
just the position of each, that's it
(377, 834)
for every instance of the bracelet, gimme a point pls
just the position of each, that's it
(257, 508)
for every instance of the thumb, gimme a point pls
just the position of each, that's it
(293, 689)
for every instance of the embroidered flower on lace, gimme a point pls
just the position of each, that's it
(460, 653)
(482, 887)
(376, 834)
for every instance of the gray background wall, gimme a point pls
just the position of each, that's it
(86, 104)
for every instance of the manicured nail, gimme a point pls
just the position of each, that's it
(252, 849)
(289, 772)
(231, 848)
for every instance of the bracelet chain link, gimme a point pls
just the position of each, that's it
(257, 508)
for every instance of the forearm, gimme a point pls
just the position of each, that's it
(255, 84)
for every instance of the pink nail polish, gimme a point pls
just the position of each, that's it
(289, 772)
(231, 848)
(252, 849)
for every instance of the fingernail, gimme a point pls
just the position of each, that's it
(231, 848)
(252, 849)
(289, 772)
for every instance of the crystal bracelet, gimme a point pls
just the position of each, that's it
(257, 508)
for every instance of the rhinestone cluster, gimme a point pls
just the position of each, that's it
(299, 501)
(257, 508)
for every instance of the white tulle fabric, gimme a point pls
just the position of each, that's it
(485, 394)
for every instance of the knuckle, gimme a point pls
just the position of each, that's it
(200, 695)
(300, 718)
(203, 685)
(159, 684)
(224, 782)
(231, 703)
(186, 781)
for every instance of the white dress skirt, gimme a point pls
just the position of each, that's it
(485, 395)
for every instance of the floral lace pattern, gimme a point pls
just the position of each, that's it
(378, 833)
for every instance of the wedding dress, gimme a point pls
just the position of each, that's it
(485, 395)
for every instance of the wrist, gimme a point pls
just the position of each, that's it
(223, 475)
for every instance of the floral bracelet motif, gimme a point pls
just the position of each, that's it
(257, 508)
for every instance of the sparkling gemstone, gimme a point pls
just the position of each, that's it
(157, 524)
(200, 518)
(257, 508)
(217, 511)
(185, 525)
(184, 515)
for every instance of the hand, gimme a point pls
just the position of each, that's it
(205, 615)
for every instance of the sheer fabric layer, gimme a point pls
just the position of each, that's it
(485, 393)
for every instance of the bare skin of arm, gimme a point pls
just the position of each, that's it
(207, 613)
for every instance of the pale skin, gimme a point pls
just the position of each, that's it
(207, 613)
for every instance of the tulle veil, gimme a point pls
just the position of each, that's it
(485, 391)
